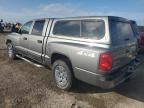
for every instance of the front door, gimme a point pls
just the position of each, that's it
(24, 38)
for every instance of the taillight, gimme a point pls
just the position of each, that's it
(105, 62)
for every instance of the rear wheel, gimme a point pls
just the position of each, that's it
(11, 51)
(62, 74)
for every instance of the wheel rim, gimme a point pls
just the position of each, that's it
(60, 75)
(10, 51)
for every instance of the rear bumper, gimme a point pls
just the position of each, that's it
(111, 80)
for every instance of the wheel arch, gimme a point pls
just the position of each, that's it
(59, 56)
(8, 41)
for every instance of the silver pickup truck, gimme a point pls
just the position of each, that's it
(98, 50)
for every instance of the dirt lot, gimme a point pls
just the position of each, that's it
(23, 85)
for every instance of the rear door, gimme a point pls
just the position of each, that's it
(36, 40)
(123, 42)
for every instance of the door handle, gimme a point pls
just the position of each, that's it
(39, 41)
(24, 38)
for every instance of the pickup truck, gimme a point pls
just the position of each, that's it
(99, 50)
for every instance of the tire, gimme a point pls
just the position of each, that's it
(62, 74)
(11, 51)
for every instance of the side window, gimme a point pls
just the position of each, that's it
(67, 28)
(93, 29)
(38, 27)
(26, 28)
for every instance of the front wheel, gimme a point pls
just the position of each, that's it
(62, 74)
(11, 51)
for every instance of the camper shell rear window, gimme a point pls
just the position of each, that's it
(121, 32)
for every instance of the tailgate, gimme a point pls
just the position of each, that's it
(123, 55)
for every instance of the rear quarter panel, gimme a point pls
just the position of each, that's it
(84, 56)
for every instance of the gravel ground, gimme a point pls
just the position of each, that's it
(23, 85)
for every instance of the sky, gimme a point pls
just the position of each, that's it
(24, 10)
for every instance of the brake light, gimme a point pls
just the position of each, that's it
(105, 62)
